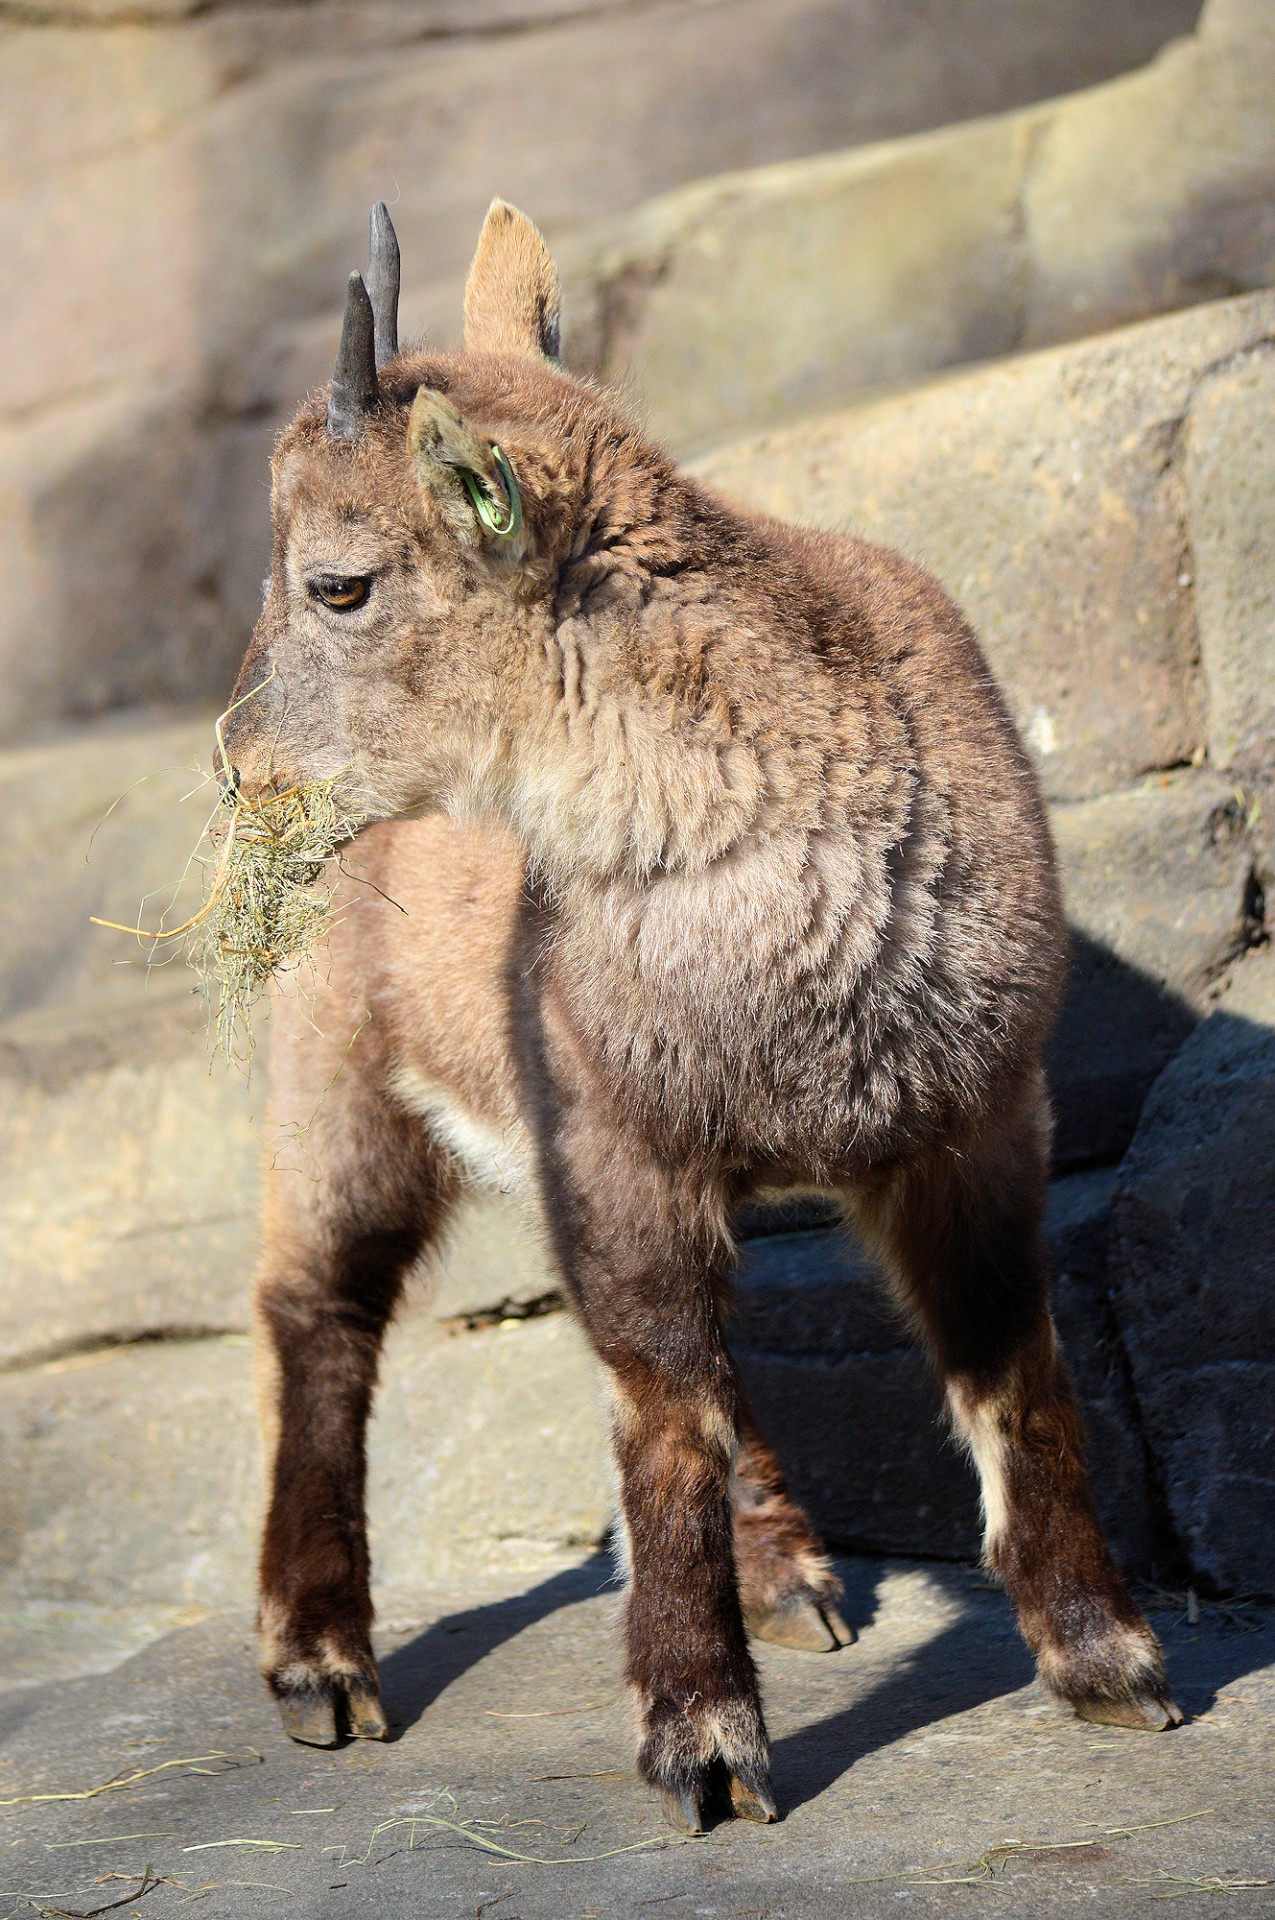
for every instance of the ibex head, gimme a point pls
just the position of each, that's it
(423, 510)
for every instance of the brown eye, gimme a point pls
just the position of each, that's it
(341, 591)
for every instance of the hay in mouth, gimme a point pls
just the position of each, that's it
(269, 905)
(268, 901)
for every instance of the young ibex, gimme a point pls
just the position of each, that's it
(726, 874)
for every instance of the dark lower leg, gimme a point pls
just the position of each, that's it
(340, 1236)
(687, 1652)
(787, 1587)
(963, 1235)
(1092, 1645)
(322, 1341)
(644, 1251)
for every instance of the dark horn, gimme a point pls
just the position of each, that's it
(354, 389)
(382, 281)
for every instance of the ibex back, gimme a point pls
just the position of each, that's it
(726, 873)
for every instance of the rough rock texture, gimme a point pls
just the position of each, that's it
(1192, 1277)
(1230, 478)
(1046, 493)
(99, 824)
(1101, 509)
(894, 1762)
(1136, 198)
(129, 1182)
(847, 1400)
(124, 543)
(1079, 1231)
(905, 254)
(185, 188)
(132, 1474)
(841, 1389)
(1160, 890)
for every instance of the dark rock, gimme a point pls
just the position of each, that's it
(1079, 1227)
(815, 1294)
(1193, 1282)
(1158, 881)
(862, 1440)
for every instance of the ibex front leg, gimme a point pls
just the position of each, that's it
(644, 1256)
(341, 1231)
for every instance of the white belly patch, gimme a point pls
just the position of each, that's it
(492, 1157)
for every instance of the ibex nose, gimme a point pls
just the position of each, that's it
(250, 775)
(242, 768)
(247, 732)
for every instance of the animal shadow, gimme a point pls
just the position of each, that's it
(415, 1674)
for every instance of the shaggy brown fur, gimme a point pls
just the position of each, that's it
(728, 873)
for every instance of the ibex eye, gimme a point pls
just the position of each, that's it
(341, 590)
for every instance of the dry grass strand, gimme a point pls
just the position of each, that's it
(269, 904)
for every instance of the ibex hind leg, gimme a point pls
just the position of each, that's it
(787, 1586)
(367, 1193)
(962, 1236)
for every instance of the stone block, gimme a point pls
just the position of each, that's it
(1154, 192)
(1045, 494)
(1212, 1430)
(830, 308)
(135, 1476)
(98, 824)
(1079, 1229)
(1193, 1278)
(129, 1190)
(812, 1294)
(861, 1437)
(179, 188)
(112, 507)
(488, 1452)
(734, 302)
(185, 188)
(1158, 882)
(1230, 478)
(133, 1479)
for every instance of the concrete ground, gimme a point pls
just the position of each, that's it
(905, 1767)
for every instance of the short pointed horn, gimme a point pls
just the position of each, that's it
(354, 389)
(382, 281)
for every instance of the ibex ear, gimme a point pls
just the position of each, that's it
(512, 297)
(470, 479)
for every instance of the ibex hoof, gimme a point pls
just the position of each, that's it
(753, 1800)
(365, 1715)
(811, 1626)
(309, 1715)
(716, 1790)
(323, 1712)
(683, 1808)
(1149, 1713)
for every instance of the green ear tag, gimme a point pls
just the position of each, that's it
(504, 522)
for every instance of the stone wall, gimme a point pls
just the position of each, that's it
(183, 189)
(1145, 195)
